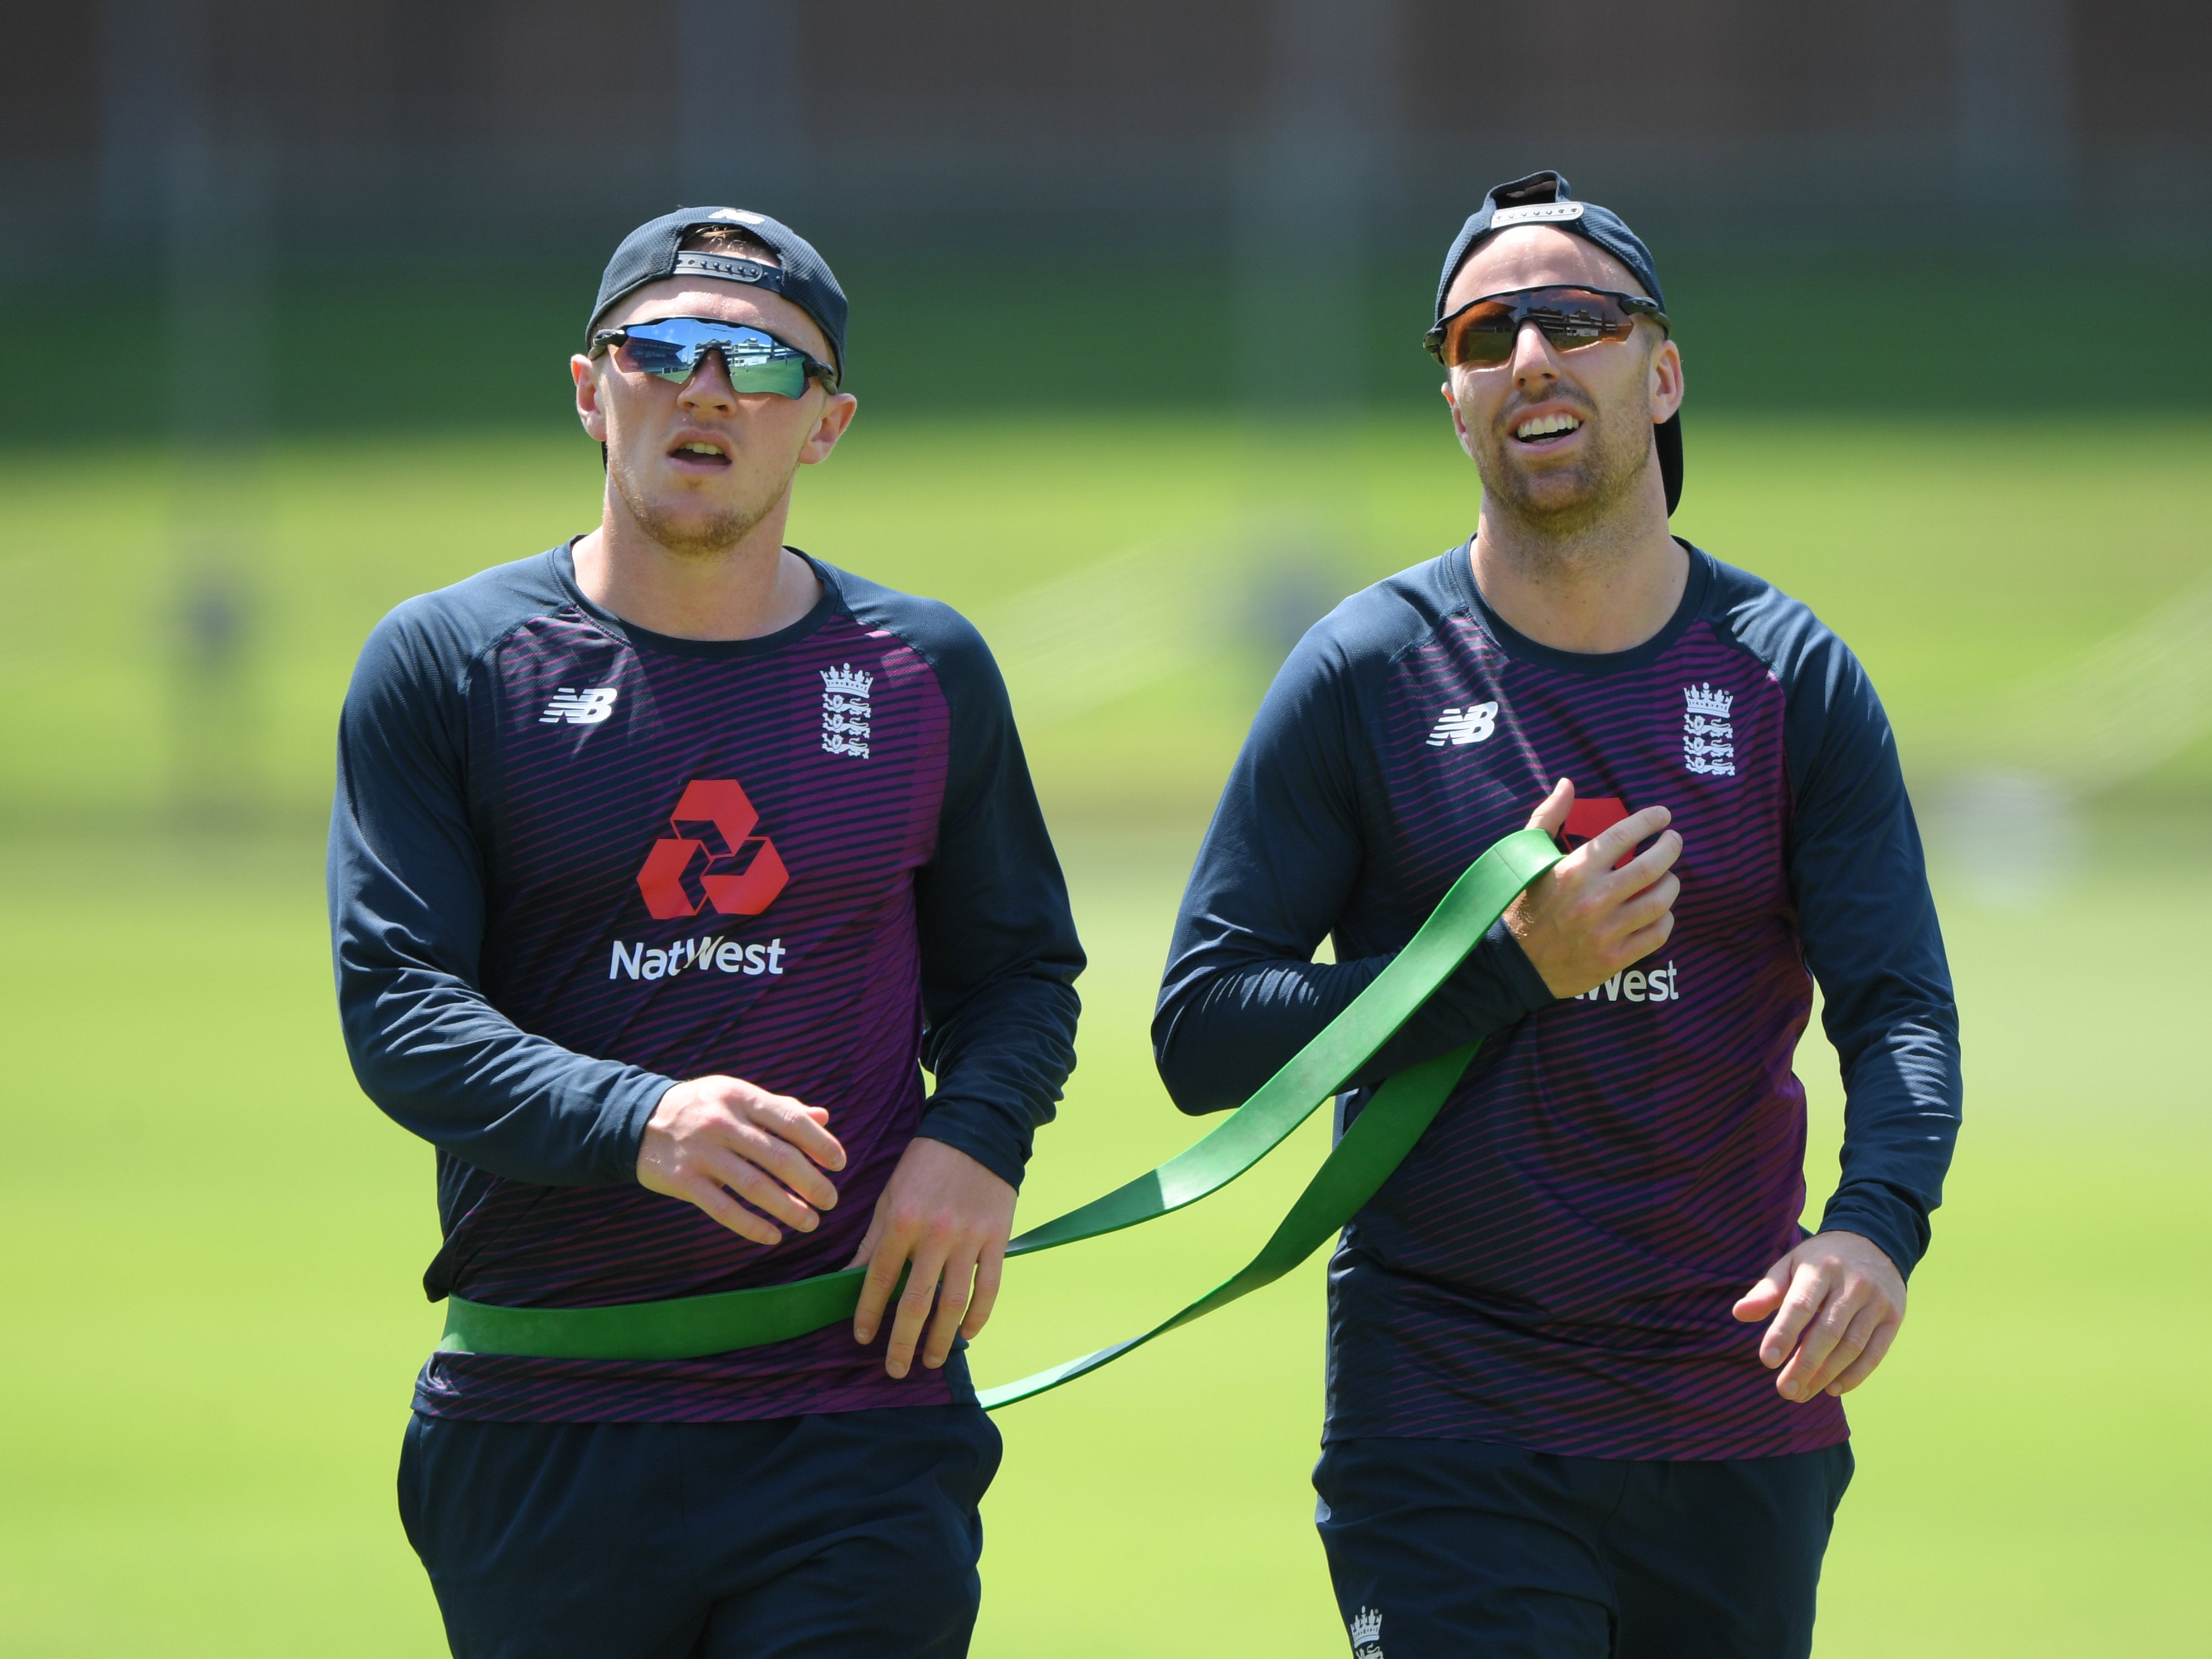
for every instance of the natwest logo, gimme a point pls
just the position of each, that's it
(1638, 985)
(1591, 816)
(713, 858)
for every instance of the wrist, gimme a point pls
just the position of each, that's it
(1887, 1218)
(985, 1143)
(1504, 957)
(632, 1131)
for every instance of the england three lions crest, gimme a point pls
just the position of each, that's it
(1708, 739)
(847, 713)
(1366, 1632)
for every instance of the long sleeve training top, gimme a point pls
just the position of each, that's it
(1553, 1266)
(572, 861)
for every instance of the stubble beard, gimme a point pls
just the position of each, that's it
(686, 535)
(1566, 506)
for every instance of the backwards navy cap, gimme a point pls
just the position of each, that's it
(653, 251)
(1544, 198)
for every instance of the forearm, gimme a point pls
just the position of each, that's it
(446, 1067)
(1900, 1125)
(1001, 1062)
(1219, 1035)
(1868, 926)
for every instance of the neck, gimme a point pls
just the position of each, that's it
(1607, 586)
(753, 586)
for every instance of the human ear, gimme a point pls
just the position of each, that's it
(1665, 381)
(582, 372)
(837, 410)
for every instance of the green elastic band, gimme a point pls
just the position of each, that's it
(688, 1327)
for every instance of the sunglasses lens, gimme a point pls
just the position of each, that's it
(783, 374)
(1573, 321)
(754, 361)
(643, 354)
(1483, 335)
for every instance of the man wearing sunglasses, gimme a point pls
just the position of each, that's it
(1585, 1367)
(661, 864)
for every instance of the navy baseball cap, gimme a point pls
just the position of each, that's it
(652, 251)
(1543, 198)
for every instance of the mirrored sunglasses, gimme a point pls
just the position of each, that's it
(672, 348)
(1480, 333)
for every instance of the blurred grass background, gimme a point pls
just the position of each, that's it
(1136, 291)
(214, 1240)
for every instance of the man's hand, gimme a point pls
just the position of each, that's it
(950, 1218)
(715, 1136)
(1583, 921)
(1841, 1302)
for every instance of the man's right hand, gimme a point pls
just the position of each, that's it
(715, 1136)
(1583, 920)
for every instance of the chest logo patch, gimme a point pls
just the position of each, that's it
(1469, 725)
(846, 711)
(586, 708)
(1708, 739)
(712, 857)
(1589, 817)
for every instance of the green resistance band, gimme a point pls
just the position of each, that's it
(688, 1327)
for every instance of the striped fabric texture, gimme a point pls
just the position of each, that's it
(1553, 1265)
(701, 859)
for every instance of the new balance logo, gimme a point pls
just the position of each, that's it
(586, 708)
(1469, 725)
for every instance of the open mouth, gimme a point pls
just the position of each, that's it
(1540, 430)
(699, 454)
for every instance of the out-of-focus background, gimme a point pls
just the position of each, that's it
(1137, 290)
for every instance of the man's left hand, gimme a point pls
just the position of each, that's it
(950, 1218)
(1837, 1302)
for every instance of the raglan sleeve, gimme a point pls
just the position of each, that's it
(1242, 993)
(999, 956)
(1868, 926)
(405, 881)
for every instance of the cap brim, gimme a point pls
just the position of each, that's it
(1669, 437)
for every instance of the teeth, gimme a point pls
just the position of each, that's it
(702, 449)
(1546, 426)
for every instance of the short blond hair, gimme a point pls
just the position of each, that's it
(730, 240)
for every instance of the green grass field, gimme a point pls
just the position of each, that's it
(213, 1242)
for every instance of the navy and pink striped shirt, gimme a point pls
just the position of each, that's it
(1553, 1265)
(572, 861)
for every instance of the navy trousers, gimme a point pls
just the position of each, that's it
(833, 1537)
(1456, 1549)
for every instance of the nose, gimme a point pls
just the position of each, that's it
(1534, 364)
(708, 391)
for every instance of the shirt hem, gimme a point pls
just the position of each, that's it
(1611, 1448)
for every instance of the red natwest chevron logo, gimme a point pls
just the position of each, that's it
(1586, 821)
(713, 858)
